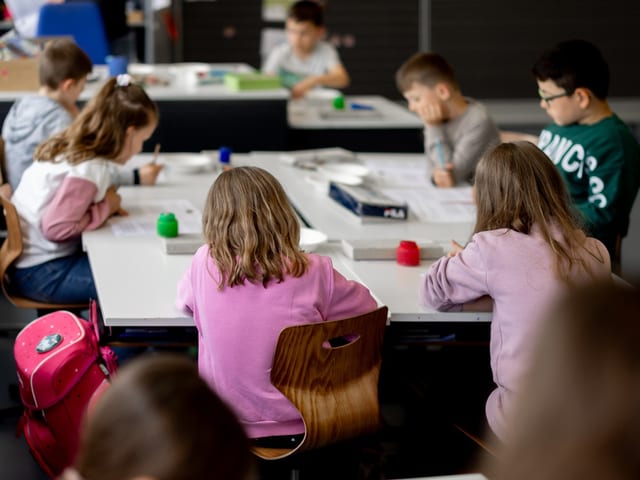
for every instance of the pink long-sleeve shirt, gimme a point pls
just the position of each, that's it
(56, 202)
(238, 330)
(517, 271)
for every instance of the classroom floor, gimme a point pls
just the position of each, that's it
(422, 390)
(16, 463)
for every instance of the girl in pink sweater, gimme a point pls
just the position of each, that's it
(526, 249)
(249, 282)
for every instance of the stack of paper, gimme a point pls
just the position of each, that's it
(385, 249)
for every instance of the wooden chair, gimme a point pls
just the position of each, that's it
(3, 163)
(9, 252)
(335, 388)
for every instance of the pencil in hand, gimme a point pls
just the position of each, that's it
(156, 152)
(440, 154)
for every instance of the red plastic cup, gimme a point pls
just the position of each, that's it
(408, 253)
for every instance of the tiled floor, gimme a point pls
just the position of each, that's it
(418, 438)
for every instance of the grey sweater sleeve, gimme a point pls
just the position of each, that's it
(462, 141)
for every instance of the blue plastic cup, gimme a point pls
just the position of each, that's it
(117, 64)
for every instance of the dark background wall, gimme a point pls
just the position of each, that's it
(493, 43)
(490, 43)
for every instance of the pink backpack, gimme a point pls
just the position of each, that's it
(61, 371)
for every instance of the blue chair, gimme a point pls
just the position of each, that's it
(82, 21)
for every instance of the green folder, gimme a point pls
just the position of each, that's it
(251, 81)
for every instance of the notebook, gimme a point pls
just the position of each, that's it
(183, 244)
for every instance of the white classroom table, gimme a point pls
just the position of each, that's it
(181, 87)
(522, 112)
(386, 114)
(326, 215)
(201, 117)
(136, 280)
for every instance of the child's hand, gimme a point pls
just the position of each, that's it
(301, 88)
(149, 173)
(456, 248)
(113, 199)
(444, 177)
(433, 113)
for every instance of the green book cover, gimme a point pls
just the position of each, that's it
(251, 81)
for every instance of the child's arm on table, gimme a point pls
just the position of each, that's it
(453, 281)
(146, 174)
(462, 157)
(336, 77)
(72, 210)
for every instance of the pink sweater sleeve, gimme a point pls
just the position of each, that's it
(184, 298)
(348, 298)
(453, 281)
(72, 210)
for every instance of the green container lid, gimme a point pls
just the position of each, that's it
(338, 102)
(167, 225)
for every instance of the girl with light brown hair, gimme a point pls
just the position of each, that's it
(71, 188)
(248, 282)
(526, 249)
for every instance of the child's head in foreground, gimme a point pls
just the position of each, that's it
(160, 421)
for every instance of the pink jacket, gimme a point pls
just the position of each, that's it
(517, 271)
(238, 329)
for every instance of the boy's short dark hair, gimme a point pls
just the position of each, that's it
(60, 60)
(426, 68)
(307, 11)
(574, 64)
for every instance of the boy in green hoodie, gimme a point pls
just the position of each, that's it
(594, 150)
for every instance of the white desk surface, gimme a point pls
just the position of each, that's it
(307, 114)
(182, 86)
(137, 281)
(331, 218)
(527, 111)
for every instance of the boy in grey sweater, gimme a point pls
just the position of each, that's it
(63, 69)
(457, 129)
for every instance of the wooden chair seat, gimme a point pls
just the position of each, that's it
(335, 388)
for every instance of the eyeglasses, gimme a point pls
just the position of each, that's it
(548, 99)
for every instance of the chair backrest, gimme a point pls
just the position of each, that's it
(335, 388)
(10, 250)
(12, 245)
(82, 20)
(3, 163)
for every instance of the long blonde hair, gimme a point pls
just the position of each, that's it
(251, 228)
(516, 187)
(100, 128)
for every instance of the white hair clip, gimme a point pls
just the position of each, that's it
(124, 80)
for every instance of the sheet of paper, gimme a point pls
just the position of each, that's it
(390, 172)
(142, 217)
(432, 205)
(409, 180)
